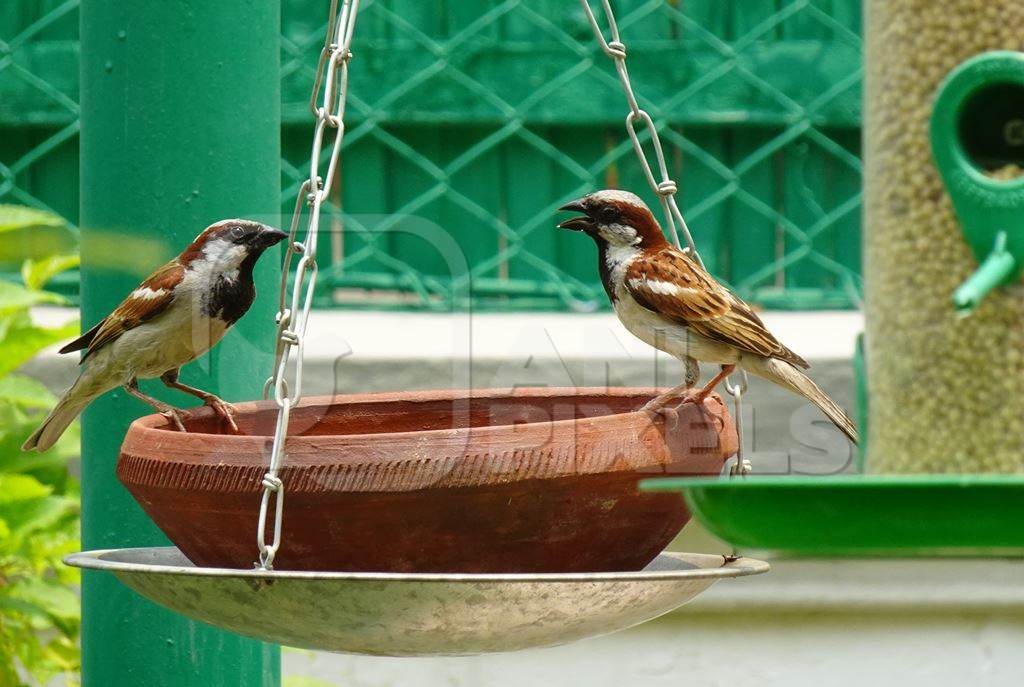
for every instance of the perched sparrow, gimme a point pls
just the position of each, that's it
(173, 317)
(667, 300)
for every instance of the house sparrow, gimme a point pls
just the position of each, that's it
(667, 300)
(173, 317)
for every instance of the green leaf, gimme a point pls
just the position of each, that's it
(14, 217)
(15, 488)
(28, 517)
(60, 657)
(36, 273)
(22, 342)
(46, 596)
(14, 297)
(14, 460)
(10, 414)
(8, 674)
(50, 466)
(26, 392)
(9, 603)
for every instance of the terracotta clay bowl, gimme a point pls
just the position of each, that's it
(531, 480)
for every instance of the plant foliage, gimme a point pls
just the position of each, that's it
(39, 498)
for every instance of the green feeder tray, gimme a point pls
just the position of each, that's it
(858, 515)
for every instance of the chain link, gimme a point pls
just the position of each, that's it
(665, 188)
(293, 310)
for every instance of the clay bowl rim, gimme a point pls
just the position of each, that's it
(151, 427)
(738, 567)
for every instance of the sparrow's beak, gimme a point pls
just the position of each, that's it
(574, 206)
(270, 237)
(576, 223)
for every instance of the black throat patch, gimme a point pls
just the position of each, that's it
(229, 299)
(603, 269)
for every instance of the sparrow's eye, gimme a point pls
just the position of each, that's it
(237, 232)
(608, 215)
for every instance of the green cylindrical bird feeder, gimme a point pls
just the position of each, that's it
(977, 132)
(944, 139)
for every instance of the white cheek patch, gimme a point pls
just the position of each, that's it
(220, 260)
(621, 234)
(223, 257)
(233, 257)
(148, 294)
(216, 247)
(225, 253)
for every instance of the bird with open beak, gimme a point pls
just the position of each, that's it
(666, 299)
(178, 313)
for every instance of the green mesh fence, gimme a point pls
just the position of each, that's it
(470, 121)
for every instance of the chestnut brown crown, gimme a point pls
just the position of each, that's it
(619, 218)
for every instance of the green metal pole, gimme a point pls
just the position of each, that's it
(180, 127)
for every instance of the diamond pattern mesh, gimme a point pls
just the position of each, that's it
(470, 121)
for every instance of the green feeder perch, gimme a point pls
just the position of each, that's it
(977, 131)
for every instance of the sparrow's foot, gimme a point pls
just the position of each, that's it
(654, 405)
(165, 409)
(661, 400)
(657, 404)
(224, 409)
(695, 396)
(221, 407)
(698, 395)
(174, 415)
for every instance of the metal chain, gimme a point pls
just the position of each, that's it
(666, 188)
(293, 312)
(742, 466)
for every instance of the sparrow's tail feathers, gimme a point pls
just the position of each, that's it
(784, 374)
(63, 414)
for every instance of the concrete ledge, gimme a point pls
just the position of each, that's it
(844, 585)
(820, 335)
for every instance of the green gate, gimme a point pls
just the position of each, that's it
(470, 121)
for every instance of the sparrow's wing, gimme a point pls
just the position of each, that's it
(671, 284)
(148, 300)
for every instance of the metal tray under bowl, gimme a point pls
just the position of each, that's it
(399, 614)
